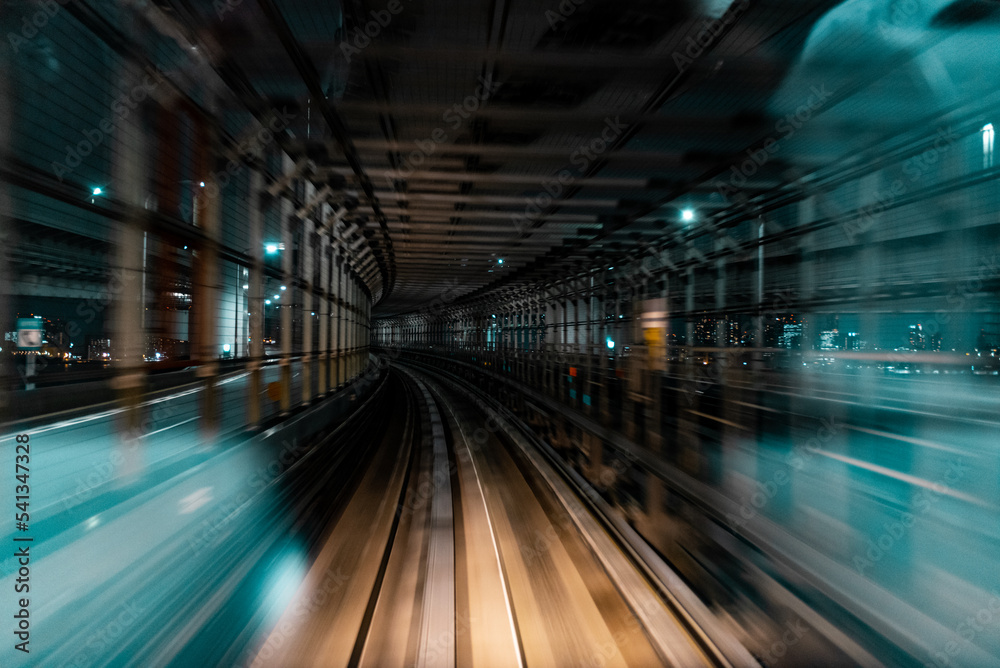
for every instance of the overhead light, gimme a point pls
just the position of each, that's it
(283, 287)
(267, 301)
(277, 296)
(687, 215)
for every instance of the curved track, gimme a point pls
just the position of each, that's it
(457, 550)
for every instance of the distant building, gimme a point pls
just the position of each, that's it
(829, 340)
(852, 341)
(98, 348)
(918, 340)
(791, 336)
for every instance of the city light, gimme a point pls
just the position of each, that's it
(500, 261)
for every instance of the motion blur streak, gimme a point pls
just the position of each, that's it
(530, 333)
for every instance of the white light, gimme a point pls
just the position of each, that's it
(313, 313)
(271, 248)
(687, 215)
(988, 137)
(246, 286)
(610, 344)
(202, 184)
(500, 261)
(283, 287)
(267, 301)
(226, 348)
(277, 296)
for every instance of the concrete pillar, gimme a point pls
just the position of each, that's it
(256, 293)
(129, 169)
(336, 363)
(285, 305)
(323, 313)
(686, 436)
(306, 254)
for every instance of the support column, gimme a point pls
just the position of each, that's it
(306, 254)
(128, 318)
(256, 290)
(335, 316)
(324, 314)
(285, 305)
(204, 339)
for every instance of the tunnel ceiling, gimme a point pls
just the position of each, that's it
(547, 135)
